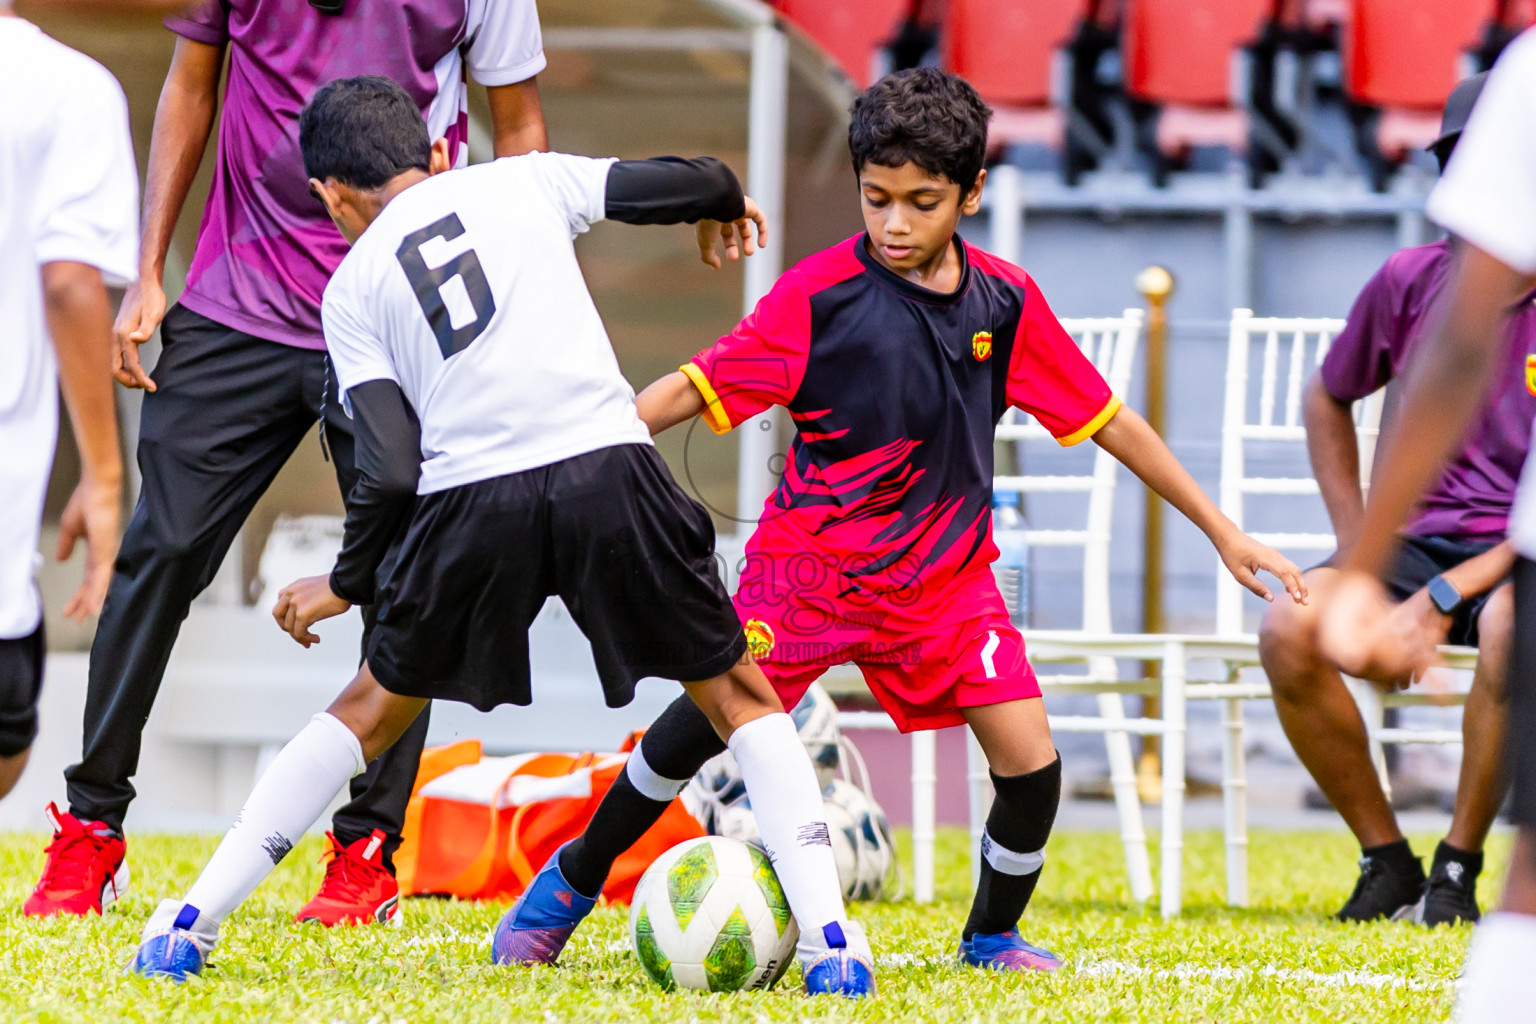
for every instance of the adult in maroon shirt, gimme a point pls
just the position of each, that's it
(1449, 577)
(244, 376)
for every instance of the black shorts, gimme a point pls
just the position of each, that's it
(1521, 687)
(1421, 559)
(609, 532)
(21, 681)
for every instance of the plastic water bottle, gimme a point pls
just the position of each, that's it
(1012, 565)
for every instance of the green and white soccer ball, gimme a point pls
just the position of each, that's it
(709, 914)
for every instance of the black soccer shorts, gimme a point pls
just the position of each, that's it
(21, 681)
(608, 532)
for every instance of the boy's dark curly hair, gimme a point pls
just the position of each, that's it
(935, 120)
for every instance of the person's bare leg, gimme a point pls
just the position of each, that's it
(1320, 717)
(1483, 780)
(11, 769)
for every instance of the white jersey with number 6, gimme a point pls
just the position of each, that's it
(466, 292)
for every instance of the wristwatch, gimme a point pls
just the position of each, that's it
(1444, 595)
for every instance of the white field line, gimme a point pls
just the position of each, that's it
(1094, 967)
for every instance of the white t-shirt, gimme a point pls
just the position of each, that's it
(466, 292)
(1488, 197)
(69, 191)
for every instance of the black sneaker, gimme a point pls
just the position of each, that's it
(1382, 891)
(1449, 897)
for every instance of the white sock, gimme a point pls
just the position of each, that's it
(290, 795)
(792, 821)
(1495, 987)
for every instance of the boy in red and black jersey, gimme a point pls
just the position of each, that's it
(895, 353)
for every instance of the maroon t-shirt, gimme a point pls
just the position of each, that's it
(1472, 498)
(266, 247)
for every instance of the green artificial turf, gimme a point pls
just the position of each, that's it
(1281, 960)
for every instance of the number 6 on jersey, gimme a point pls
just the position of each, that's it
(428, 284)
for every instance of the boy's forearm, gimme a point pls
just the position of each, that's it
(1132, 441)
(1478, 575)
(673, 190)
(1335, 455)
(80, 322)
(669, 401)
(183, 122)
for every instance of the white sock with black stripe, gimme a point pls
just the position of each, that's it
(792, 822)
(290, 795)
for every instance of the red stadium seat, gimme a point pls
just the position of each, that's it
(851, 31)
(1401, 60)
(1180, 51)
(1408, 53)
(1178, 56)
(1006, 48)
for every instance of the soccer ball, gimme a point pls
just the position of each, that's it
(861, 841)
(709, 914)
(815, 719)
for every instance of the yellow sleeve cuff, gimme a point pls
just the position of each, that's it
(1090, 428)
(714, 412)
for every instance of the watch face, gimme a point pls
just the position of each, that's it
(1444, 595)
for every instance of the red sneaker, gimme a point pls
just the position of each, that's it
(87, 869)
(357, 888)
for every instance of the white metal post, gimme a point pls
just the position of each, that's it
(766, 126)
(1173, 778)
(924, 796)
(1005, 183)
(980, 779)
(1234, 796)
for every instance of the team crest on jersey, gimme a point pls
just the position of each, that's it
(981, 346)
(1530, 374)
(759, 638)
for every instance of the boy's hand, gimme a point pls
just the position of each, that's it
(305, 602)
(1244, 557)
(737, 235)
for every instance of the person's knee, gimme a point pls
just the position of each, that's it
(1288, 647)
(374, 715)
(739, 695)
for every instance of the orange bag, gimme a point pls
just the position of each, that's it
(482, 830)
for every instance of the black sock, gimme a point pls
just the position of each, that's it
(1395, 857)
(670, 753)
(1471, 863)
(1017, 828)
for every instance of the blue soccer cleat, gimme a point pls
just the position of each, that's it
(1006, 951)
(839, 965)
(175, 951)
(540, 923)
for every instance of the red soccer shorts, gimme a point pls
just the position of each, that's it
(921, 676)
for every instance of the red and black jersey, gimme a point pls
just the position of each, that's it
(895, 391)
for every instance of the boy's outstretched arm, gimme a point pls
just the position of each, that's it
(1132, 440)
(668, 402)
(675, 190)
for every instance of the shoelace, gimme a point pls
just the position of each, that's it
(346, 877)
(70, 857)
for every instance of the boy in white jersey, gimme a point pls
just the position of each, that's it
(1486, 199)
(68, 207)
(461, 306)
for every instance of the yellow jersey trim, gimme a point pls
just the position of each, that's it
(714, 412)
(1093, 426)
